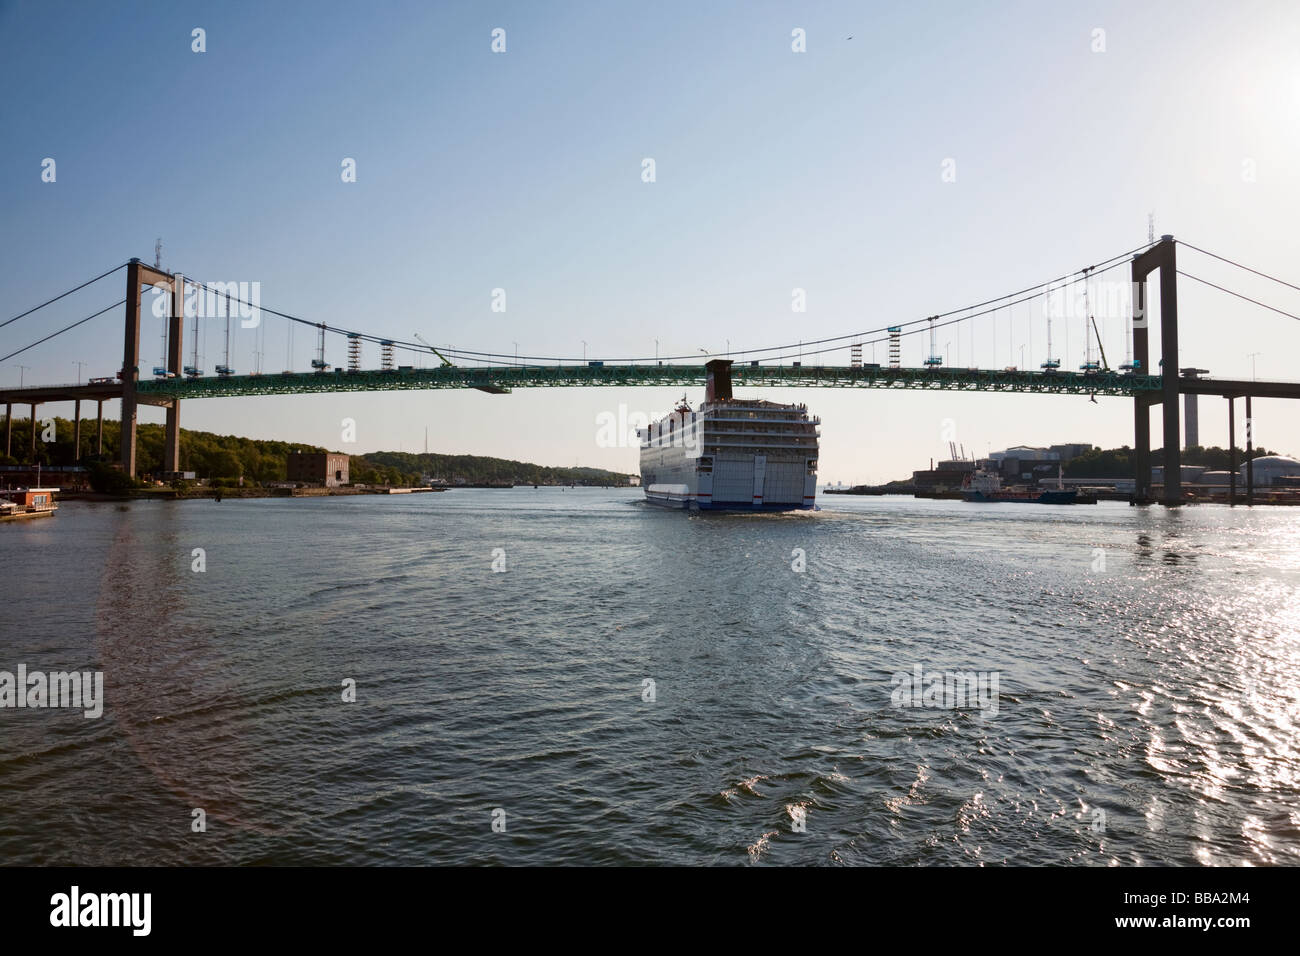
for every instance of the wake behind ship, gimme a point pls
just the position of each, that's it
(731, 454)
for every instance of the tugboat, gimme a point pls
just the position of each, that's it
(986, 486)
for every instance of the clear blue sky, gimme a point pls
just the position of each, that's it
(775, 170)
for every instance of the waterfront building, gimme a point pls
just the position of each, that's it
(1269, 468)
(317, 468)
(1190, 474)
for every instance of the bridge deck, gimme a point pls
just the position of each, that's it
(40, 394)
(505, 378)
(571, 376)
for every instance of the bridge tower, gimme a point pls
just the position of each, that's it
(1160, 256)
(139, 275)
(175, 367)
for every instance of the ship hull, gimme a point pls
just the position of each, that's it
(1042, 498)
(732, 455)
(688, 503)
(697, 496)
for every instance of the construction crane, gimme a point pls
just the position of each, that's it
(446, 362)
(1102, 348)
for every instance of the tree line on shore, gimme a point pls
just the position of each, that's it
(1118, 462)
(225, 459)
(476, 468)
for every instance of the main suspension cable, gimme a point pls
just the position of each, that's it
(61, 296)
(473, 355)
(68, 328)
(1263, 275)
(1262, 305)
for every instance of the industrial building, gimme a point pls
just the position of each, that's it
(1270, 468)
(1025, 453)
(1025, 463)
(1190, 473)
(946, 476)
(1019, 464)
(1269, 471)
(317, 468)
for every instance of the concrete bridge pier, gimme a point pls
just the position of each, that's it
(76, 432)
(99, 430)
(1250, 457)
(9, 428)
(1232, 451)
(1141, 446)
(32, 419)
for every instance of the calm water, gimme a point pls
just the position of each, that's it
(1147, 710)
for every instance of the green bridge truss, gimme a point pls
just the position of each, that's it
(501, 379)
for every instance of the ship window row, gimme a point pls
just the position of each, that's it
(664, 441)
(759, 430)
(763, 446)
(758, 436)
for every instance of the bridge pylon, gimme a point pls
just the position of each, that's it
(139, 275)
(1160, 256)
(176, 366)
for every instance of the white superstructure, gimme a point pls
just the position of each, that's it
(731, 453)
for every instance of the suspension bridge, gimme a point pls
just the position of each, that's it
(174, 381)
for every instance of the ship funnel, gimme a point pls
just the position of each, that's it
(717, 385)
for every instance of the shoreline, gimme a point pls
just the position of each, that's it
(173, 494)
(217, 494)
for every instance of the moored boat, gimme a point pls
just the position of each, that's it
(981, 485)
(19, 503)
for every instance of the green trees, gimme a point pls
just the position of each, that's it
(108, 480)
(1215, 458)
(228, 457)
(1102, 463)
(1118, 462)
(476, 468)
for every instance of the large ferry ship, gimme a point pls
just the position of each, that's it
(731, 453)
